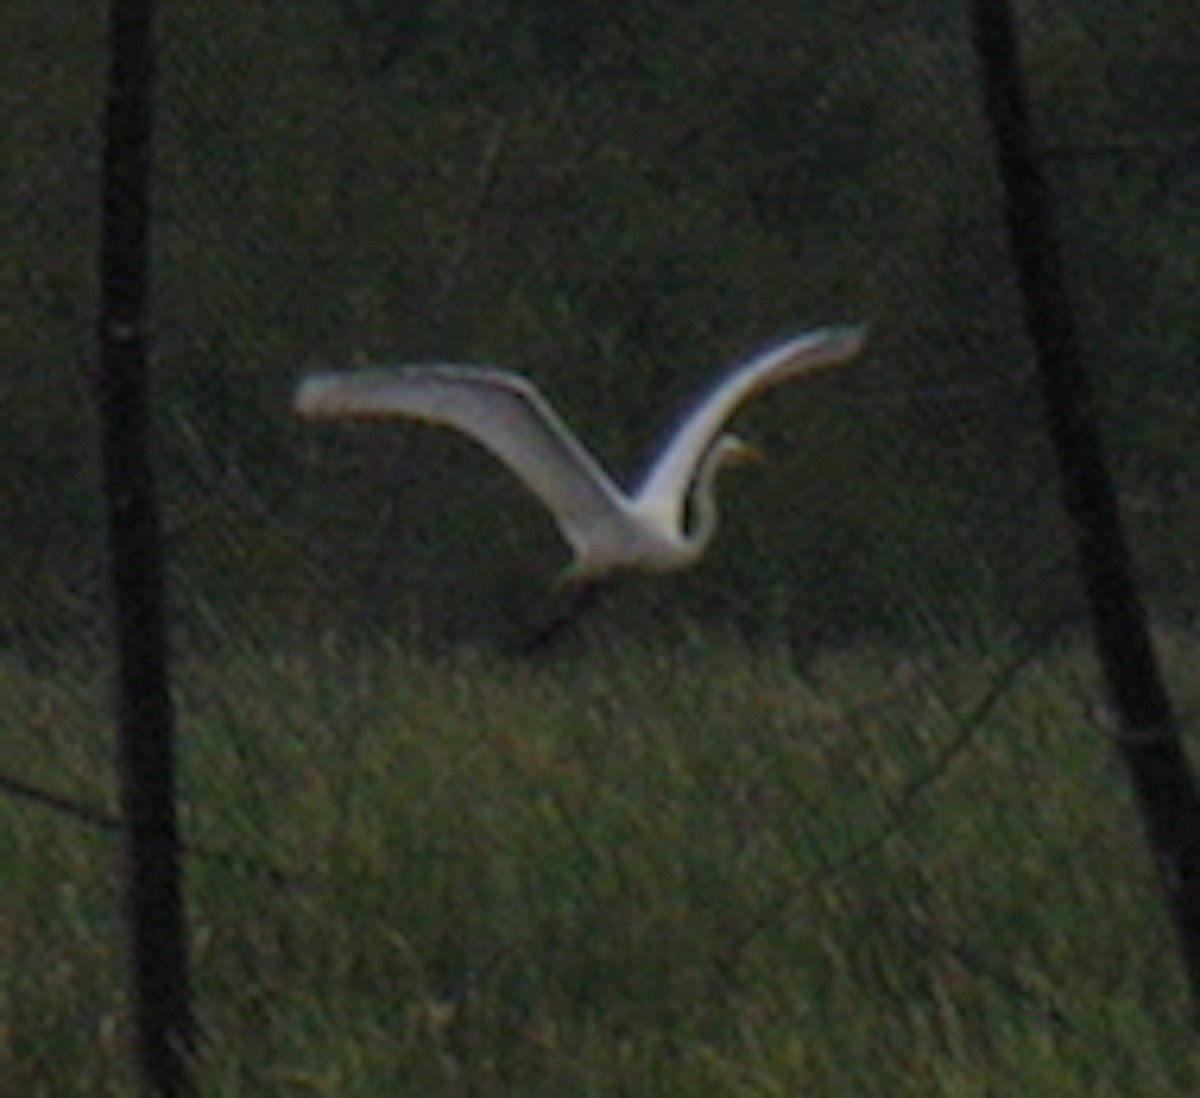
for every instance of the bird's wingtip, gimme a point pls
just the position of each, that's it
(855, 333)
(312, 395)
(830, 343)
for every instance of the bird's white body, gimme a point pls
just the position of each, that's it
(664, 523)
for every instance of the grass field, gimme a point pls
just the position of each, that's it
(681, 871)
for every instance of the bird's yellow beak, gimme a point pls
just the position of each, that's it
(745, 454)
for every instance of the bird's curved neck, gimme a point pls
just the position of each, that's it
(700, 523)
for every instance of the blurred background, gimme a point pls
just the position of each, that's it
(618, 202)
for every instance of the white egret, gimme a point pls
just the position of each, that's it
(663, 524)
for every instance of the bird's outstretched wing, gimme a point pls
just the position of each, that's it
(666, 481)
(499, 410)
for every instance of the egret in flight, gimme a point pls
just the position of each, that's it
(664, 523)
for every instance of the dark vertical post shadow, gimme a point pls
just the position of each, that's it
(154, 911)
(1148, 738)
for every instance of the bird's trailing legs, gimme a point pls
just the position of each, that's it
(574, 598)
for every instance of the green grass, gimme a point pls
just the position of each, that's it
(687, 872)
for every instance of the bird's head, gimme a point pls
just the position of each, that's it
(733, 450)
